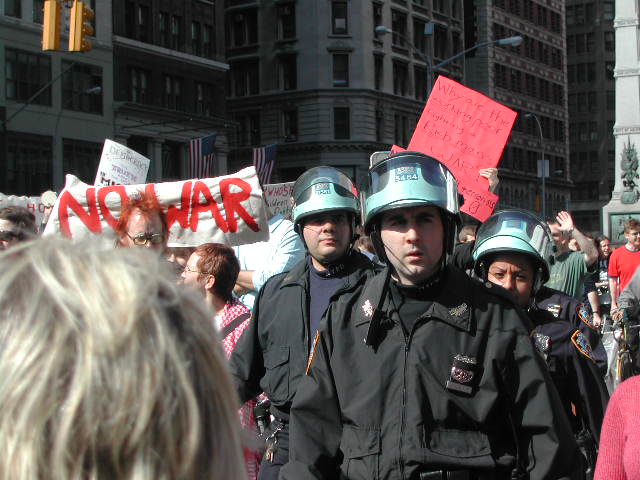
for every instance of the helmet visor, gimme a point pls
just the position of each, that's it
(407, 179)
(321, 177)
(519, 224)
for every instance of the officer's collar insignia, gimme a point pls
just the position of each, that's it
(582, 344)
(585, 316)
(367, 308)
(459, 310)
(542, 342)
(554, 309)
(462, 372)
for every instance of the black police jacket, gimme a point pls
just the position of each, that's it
(562, 306)
(570, 359)
(271, 355)
(444, 396)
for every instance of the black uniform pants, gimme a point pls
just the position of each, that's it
(269, 470)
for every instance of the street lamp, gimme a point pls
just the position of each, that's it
(544, 166)
(513, 41)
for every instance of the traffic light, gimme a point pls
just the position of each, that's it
(51, 26)
(79, 27)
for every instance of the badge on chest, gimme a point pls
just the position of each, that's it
(463, 371)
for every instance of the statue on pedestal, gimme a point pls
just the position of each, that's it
(629, 166)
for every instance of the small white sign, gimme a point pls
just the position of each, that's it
(278, 196)
(119, 165)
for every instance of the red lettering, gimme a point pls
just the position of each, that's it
(31, 206)
(90, 219)
(232, 203)
(102, 195)
(200, 188)
(181, 215)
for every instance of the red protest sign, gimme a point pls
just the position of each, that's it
(466, 131)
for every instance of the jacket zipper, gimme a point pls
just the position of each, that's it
(404, 397)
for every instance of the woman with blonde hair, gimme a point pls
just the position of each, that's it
(108, 370)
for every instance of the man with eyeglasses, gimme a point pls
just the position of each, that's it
(17, 224)
(143, 223)
(624, 261)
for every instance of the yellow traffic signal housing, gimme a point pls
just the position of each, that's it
(51, 25)
(79, 27)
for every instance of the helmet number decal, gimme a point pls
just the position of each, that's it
(403, 174)
(322, 189)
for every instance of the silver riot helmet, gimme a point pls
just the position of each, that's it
(323, 189)
(411, 179)
(515, 231)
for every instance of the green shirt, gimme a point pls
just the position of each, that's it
(568, 273)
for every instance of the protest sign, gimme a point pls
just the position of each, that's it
(466, 131)
(227, 209)
(33, 204)
(119, 165)
(279, 198)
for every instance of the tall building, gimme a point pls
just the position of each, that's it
(169, 80)
(530, 79)
(323, 85)
(590, 68)
(55, 107)
(154, 79)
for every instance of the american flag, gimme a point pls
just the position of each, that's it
(201, 156)
(264, 158)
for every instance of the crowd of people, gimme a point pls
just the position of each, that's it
(377, 341)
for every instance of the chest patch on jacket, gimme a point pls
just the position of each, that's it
(463, 371)
(582, 344)
(554, 309)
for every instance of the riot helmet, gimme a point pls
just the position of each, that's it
(411, 179)
(516, 231)
(323, 189)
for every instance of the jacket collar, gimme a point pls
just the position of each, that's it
(453, 304)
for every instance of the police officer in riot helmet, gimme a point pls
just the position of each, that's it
(423, 372)
(272, 354)
(513, 249)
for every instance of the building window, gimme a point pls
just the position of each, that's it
(171, 160)
(608, 9)
(208, 45)
(196, 38)
(440, 42)
(340, 70)
(419, 38)
(286, 21)
(341, 123)
(378, 74)
(12, 8)
(38, 11)
(143, 23)
(377, 17)
(244, 78)
(82, 88)
(172, 98)
(611, 100)
(339, 23)
(81, 158)
(400, 130)
(27, 169)
(204, 99)
(399, 27)
(176, 32)
(163, 29)
(25, 74)
(290, 125)
(420, 81)
(379, 125)
(400, 78)
(288, 72)
(248, 129)
(609, 41)
(609, 68)
(501, 76)
(244, 28)
(138, 85)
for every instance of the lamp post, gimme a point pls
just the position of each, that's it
(544, 166)
(513, 41)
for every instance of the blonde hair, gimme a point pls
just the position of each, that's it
(108, 370)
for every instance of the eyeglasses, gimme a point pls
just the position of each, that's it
(187, 268)
(144, 238)
(633, 234)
